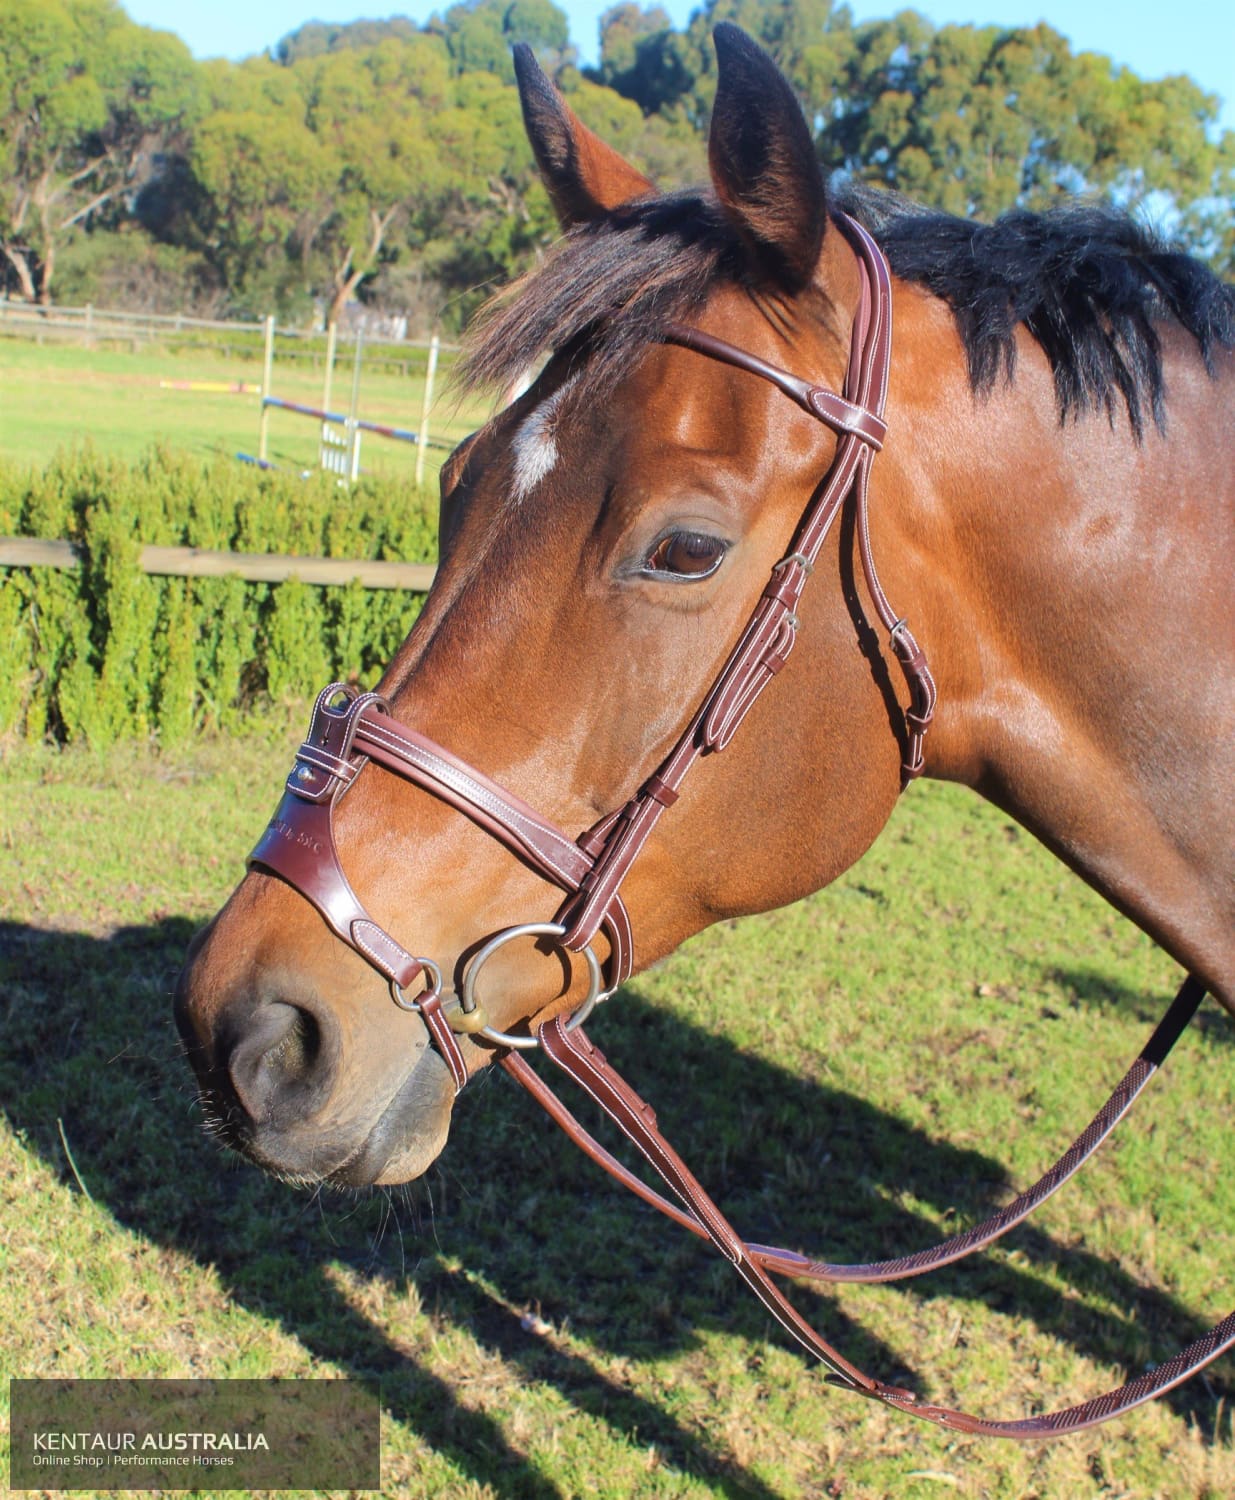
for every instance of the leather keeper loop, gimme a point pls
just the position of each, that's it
(655, 788)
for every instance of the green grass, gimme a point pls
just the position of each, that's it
(852, 1076)
(56, 395)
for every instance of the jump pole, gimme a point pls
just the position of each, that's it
(422, 438)
(383, 429)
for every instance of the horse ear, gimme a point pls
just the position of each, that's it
(585, 177)
(763, 161)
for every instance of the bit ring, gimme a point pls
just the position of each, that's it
(467, 995)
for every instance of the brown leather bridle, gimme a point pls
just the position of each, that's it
(347, 730)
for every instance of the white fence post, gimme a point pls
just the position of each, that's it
(353, 428)
(329, 454)
(332, 339)
(267, 373)
(422, 435)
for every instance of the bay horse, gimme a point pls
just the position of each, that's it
(640, 578)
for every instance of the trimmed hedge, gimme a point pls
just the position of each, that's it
(106, 652)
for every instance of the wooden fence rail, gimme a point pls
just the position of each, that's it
(255, 567)
(101, 322)
(24, 318)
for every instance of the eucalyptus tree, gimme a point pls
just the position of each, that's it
(979, 119)
(88, 103)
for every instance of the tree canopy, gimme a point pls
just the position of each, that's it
(85, 98)
(386, 160)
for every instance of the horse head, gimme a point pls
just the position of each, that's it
(604, 539)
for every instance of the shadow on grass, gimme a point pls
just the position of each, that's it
(86, 1036)
(1101, 991)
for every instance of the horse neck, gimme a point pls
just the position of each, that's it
(1062, 578)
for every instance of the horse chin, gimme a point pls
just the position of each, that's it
(376, 1166)
(408, 1135)
(413, 1162)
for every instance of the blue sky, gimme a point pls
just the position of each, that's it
(1187, 36)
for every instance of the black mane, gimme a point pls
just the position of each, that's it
(1087, 282)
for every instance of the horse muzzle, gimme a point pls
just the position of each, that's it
(288, 1081)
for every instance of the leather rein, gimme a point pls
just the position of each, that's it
(349, 729)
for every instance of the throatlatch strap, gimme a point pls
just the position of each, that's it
(589, 1068)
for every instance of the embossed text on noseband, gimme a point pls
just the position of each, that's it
(294, 835)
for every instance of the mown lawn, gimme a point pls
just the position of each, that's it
(58, 395)
(531, 1332)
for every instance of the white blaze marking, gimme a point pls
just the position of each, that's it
(535, 443)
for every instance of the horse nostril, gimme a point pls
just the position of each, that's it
(278, 1063)
(301, 1044)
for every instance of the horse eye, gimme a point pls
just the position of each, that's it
(686, 554)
